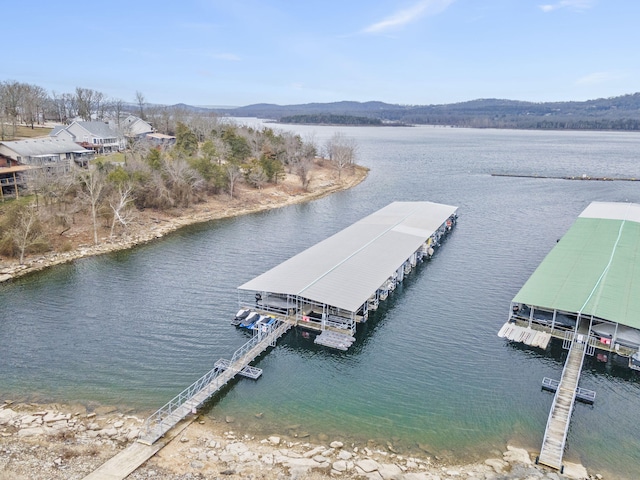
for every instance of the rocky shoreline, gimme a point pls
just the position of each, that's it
(69, 442)
(61, 442)
(158, 226)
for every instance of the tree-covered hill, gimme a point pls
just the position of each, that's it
(616, 113)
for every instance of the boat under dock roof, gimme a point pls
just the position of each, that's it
(347, 268)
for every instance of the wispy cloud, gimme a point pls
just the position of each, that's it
(597, 78)
(570, 4)
(408, 15)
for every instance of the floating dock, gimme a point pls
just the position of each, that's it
(334, 285)
(585, 293)
(328, 288)
(568, 177)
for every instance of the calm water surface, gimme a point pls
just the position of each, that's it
(428, 371)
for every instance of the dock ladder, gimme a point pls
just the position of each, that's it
(187, 401)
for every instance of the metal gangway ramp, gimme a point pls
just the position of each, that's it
(555, 435)
(196, 394)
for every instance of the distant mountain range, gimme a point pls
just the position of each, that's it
(616, 113)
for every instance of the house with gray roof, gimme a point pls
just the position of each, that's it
(97, 136)
(133, 126)
(48, 152)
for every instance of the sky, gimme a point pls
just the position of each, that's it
(242, 52)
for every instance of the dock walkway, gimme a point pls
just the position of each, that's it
(131, 458)
(224, 370)
(162, 423)
(555, 435)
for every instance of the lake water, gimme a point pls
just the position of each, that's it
(427, 373)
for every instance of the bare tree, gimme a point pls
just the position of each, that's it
(11, 97)
(34, 99)
(93, 182)
(99, 105)
(203, 125)
(57, 107)
(25, 231)
(234, 173)
(116, 108)
(141, 102)
(119, 203)
(183, 182)
(63, 106)
(50, 186)
(342, 151)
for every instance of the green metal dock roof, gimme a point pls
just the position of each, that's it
(594, 269)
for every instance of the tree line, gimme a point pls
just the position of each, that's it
(211, 157)
(330, 119)
(616, 113)
(31, 105)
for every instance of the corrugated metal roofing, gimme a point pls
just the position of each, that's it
(35, 147)
(594, 269)
(347, 268)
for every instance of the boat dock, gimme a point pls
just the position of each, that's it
(209, 384)
(583, 293)
(334, 285)
(328, 288)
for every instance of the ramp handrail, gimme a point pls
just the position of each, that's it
(156, 421)
(575, 344)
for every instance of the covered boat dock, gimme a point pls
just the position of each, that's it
(585, 292)
(333, 285)
(592, 274)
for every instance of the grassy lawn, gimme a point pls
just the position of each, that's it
(117, 157)
(23, 131)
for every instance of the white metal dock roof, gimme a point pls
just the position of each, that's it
(347, 268)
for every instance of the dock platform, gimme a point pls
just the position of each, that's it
(582, 394)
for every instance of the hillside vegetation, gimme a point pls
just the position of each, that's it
(617, 113)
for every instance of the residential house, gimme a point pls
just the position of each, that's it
(48, 152)
(97, 136)
(12, 180)
(133, 126)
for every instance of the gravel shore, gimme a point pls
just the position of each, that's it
(51, 442)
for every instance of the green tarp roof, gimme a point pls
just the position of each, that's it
(594, 269)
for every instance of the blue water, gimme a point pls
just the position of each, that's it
(427, 373)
